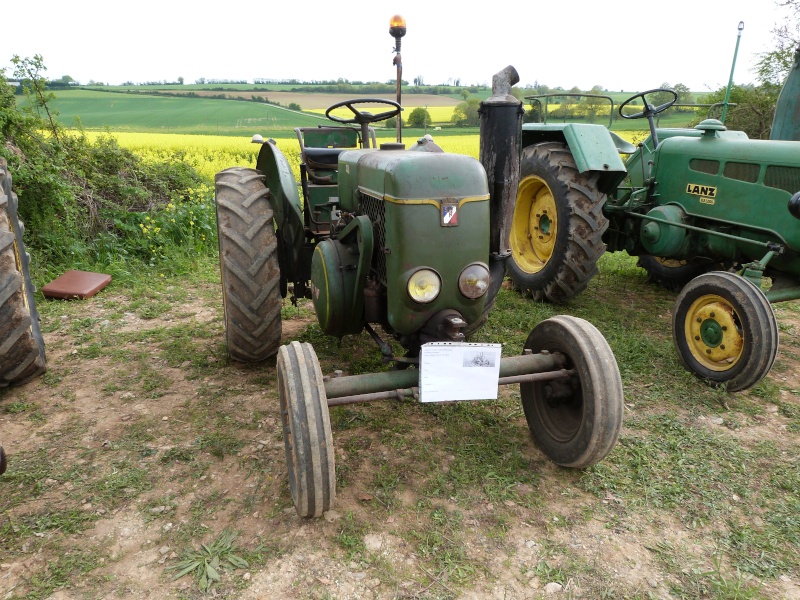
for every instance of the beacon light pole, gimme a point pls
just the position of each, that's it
(397, 29)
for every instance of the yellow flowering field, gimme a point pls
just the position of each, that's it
(210, 154)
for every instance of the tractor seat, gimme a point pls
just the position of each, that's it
(322, 158)
(623, 146)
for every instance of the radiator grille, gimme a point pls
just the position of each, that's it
(784, 178)
(374, 208)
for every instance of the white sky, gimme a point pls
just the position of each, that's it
(628, 45)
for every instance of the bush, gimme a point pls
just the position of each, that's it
(81, 199)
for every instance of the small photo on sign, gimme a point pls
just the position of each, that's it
(478, 359)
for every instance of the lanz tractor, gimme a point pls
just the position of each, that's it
(695, 205)
(408, 242)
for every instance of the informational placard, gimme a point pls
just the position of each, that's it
(458, 371)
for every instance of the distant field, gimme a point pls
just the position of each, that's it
(134, 112)
(96, 110)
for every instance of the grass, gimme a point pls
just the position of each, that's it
(703, 484)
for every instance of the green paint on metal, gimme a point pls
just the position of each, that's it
(711, 333)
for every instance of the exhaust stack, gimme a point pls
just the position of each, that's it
(501, 126)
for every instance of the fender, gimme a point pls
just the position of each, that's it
(594, 148)
(288, 211)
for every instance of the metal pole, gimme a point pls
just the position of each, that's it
(398, 60)
(730, 79)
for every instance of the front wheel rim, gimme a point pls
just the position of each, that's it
(535, 225)
(714, 333)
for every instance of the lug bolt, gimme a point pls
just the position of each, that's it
(712, 315)
(697, 337)
(708, 351)
(722, 346)
(699, 320)
(724, 328)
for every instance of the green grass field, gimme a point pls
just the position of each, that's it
(138, 112)
(123, 112)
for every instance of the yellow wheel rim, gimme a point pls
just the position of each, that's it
(533, 231)
(670, 263)
(713, 334)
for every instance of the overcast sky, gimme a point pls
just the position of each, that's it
(628, 45)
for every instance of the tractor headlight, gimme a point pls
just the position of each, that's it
(424, 286)
(474, 280)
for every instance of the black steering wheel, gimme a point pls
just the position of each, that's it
(364, 118)
(649, 109)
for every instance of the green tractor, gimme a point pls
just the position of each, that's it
(695, 205)
(407, 245)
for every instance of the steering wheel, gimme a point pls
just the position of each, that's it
(649, 109)
(363, 117)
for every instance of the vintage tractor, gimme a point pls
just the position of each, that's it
(694, 205)
(411, 241)
(21, 345)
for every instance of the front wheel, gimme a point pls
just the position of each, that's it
(558, 224)
(307, 437)
(725, 330)
(575, 422)
(22, 355)
(673, 274)
(249, 266)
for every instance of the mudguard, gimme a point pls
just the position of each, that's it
(288, 210)
(592, 147)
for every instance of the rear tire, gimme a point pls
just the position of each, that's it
(558, 224)
(307, 437)
(575, 422)
(249, 266)
(673, 274)
(725, 330)
(22, 356)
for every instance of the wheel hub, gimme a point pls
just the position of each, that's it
(533, 234)
(712, 332)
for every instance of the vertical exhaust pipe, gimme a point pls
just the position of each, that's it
(500, 146)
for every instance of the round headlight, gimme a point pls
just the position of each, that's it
(424, 285)
(474, 281)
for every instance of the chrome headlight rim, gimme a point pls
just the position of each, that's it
(416, 277)
(464, 285)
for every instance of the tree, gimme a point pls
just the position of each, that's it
(685, 96)
(773, 66)
(180, 80)
(754, 110)
(419, 117)
(466, 113)
(594, 106)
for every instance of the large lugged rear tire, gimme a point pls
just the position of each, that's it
(558, 225)
(725, 330)
(22, 355)
(249, 267)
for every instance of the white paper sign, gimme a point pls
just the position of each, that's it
(458, 371)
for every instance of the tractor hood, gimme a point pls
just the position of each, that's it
(414, 177)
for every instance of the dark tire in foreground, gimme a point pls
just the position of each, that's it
(249, 267)
(725, 330)
(575, 422)
(307, 437)
(558, 224)
(22, 356)
(673, 274)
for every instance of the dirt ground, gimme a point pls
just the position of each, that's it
(142, 441)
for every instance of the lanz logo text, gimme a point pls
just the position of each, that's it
(701, 190)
